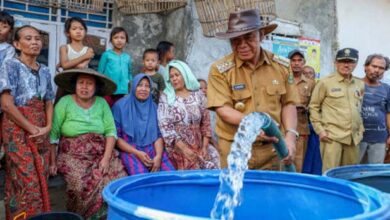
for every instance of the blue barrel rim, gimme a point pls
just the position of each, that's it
(138, 210)
(375, 169)
(150, 213)
(56, 213)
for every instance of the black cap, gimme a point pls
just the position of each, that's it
(295, 51)
(347, 54)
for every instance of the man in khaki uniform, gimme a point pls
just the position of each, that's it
(305, 88)
(335, 112)
(252, 79)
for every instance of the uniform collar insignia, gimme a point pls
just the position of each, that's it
(225, 66)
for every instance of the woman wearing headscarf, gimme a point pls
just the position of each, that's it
(185, 122)
(26, 100)
(139, 137)
(84, 128)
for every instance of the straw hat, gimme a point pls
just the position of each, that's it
(243, 22)
(65, 80)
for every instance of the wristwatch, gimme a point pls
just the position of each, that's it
(293, 131)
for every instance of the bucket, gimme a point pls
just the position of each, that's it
(56, 216)
(265, 195)
(374, 175)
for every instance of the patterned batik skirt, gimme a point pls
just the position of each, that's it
(78, 160)
(203, 160)
(135, 166)
(27, 162)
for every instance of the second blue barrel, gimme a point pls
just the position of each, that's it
(266, 195)
(374, 175)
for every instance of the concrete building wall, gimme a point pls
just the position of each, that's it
(146, 30)
(364, 25)
(317, 19)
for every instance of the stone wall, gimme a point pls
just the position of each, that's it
(146, 30)
(317, 18)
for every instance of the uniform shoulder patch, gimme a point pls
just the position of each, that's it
(225, 66)
(281, 60)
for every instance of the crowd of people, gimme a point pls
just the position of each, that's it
(106, 124)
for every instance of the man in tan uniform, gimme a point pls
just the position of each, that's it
(335, 112)
(252, 79)
(305, 88)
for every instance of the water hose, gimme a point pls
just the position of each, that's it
(271, 129)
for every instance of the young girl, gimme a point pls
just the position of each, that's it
(74, 54)
(116, 64)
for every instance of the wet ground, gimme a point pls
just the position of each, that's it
(56, 191)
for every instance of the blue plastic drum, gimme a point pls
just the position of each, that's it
(266, 195)
(374, 175)
(57, 216)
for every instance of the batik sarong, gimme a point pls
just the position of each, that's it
(78, 160)
(27, 162)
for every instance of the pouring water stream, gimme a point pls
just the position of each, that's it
(231, 179)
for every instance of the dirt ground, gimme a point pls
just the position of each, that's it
(56, 191)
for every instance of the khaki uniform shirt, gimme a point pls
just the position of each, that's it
(266, 88)
(335, 108)
(305, 88)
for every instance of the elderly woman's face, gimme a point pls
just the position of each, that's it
(176, 79)
(30, 42)
(85, 86)
(143, 90)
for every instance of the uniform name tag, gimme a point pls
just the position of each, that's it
(240, 86)
(335, 90)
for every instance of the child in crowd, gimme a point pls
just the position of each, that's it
(74, 54)
(150, 61)
(117, 64)
(213, 118)
(7, 51)
(203, 86)
(166, 53)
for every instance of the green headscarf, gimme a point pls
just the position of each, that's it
(190, 82)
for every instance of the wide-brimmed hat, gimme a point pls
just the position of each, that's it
(243, 22)
(66, 81)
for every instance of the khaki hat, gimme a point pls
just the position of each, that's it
(243, 22)
(65, 78)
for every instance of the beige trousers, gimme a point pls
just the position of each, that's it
(263, 155)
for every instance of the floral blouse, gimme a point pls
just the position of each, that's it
(25, 83)
(187, 119)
